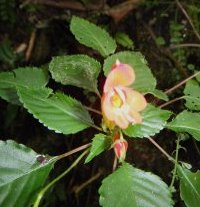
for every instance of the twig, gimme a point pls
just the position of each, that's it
(30, 45)
(61, 4)
(95, 177)
(184, 45)
(181, 83)
(188, 18)
(160, 148)
(73, 151)
(167, 52)
(171, 101)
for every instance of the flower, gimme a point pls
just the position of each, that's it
(120, 147)
(120, 104)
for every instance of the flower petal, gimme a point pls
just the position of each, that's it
(136, 116)
(121, 75)
(121, 121)
(134, 99)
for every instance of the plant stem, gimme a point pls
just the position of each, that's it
(73, 151)
(171, 101)
(188, 18)
(175, 165)
(93, 110)
(181, 83)
(43, 191)
(96, 127)
(161, 149)
(184, 45)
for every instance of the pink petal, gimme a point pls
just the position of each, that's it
(121, 75)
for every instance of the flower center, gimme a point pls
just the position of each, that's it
(116, 101)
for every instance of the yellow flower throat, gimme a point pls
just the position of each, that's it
(116, 101)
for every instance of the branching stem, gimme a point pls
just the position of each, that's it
(161, 149)
(175, 165)
(43, 191)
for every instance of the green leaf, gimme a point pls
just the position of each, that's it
(189, 186)
(159, 94)
(186, 122)
(77, 70)
(153, 121)
(27, 77)
(92, 36)
(22, 176)
(145, 81)
(58, 112)
(124, 40)
(132, 187)
(99, 143)
(192, 95)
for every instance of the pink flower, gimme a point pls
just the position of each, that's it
(120, 104)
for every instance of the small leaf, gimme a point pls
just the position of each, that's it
(99, 143)
(186, 122)
(22, 176)
(189, 186)
(145, 81)
(58, 112)
(78, 70)
(124, 40)
(153, 121)
(192, 95)
(132, 187)
(27, 77)
(92, 36)
(159, 94)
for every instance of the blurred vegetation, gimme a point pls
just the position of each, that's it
(32, 32)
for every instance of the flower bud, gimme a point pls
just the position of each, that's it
(120, 148)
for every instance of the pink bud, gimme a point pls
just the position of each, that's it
(120, 148)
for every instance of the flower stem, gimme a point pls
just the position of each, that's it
(43, 191)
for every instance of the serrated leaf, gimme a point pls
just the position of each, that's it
(153, 121)
(186, 122)
(124, 40)
(192, 95)
(21, 175)
(145, 81)
(189, 186)
(92, 36)
(159, 94)
(78, 70)
(132, 187)
(99, 143)
(58, 112)
(26, 77)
